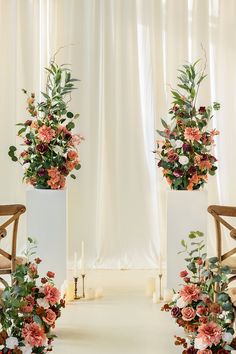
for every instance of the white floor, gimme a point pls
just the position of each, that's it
(124, 321)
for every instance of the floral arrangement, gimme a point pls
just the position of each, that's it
(28, 311)
(50, 149)
(184, 153)
(202, 306)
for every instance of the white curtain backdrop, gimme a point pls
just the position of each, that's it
(126, 53)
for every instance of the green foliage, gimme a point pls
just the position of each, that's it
(184, 153)
(20, 307)
(45, 155)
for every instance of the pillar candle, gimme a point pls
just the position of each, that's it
(150, 286)
(75, 265)
(98, 292)
(89, 294)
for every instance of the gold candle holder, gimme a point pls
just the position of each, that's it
(76, 296)
(83, 280)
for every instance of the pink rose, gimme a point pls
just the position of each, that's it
(50, 317)
(52, 294)
(204, 351)
(210, 333)
(34, 334)
(190, 293)
(183, 273)
(188, 313)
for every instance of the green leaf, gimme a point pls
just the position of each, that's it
(73, 176)
(165, 125)
(70, 114)
(199, 233)
(45, 95)
(22, 130)
(192, 235)
(70, 126)
(12, 148)
(77, 167)
(213, 260)
(227, 306)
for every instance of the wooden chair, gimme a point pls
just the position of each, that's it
(217, 212)
(8, 261)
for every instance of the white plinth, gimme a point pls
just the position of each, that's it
(186, 211)
(47, 223)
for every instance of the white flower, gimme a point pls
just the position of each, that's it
(58, 150)
(27, 349)
(43, 303)
(11, 342)
(183, 160)
(175, 297)
(199, 344)
(227, 337)
(173, 143)
(181, 303)
(178, 144)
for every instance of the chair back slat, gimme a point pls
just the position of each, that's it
(14, 211)
(217, 211)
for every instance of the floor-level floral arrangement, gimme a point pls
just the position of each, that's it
(29, 309)
(202, 306)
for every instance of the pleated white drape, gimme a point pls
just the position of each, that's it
(126, 53)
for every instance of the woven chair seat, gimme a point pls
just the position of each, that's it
(231, 262)
(5, 264)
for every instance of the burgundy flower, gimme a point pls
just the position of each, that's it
(191, 350)
(28, 122)
(187, 279)
(192, 170)
(187, 148)
(202, 110)
(63, 170)
(68, 136)
(175, 312)
(175, 108)
(42, 147)
(28, 142)
(222, 351)
(41, 172)
(178, 173)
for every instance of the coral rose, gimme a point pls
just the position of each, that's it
(72, 155)
(46, 134)
(188, 313)
(183, 273)
(34, 334)
(190, 293)
(210, 333)
(52, 294)
(204, 351)
(192, 134)
(50, 317)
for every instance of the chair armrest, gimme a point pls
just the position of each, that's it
(3, 232)
(233, 234)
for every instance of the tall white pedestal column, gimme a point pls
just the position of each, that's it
(47, 223)
(186, 211)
